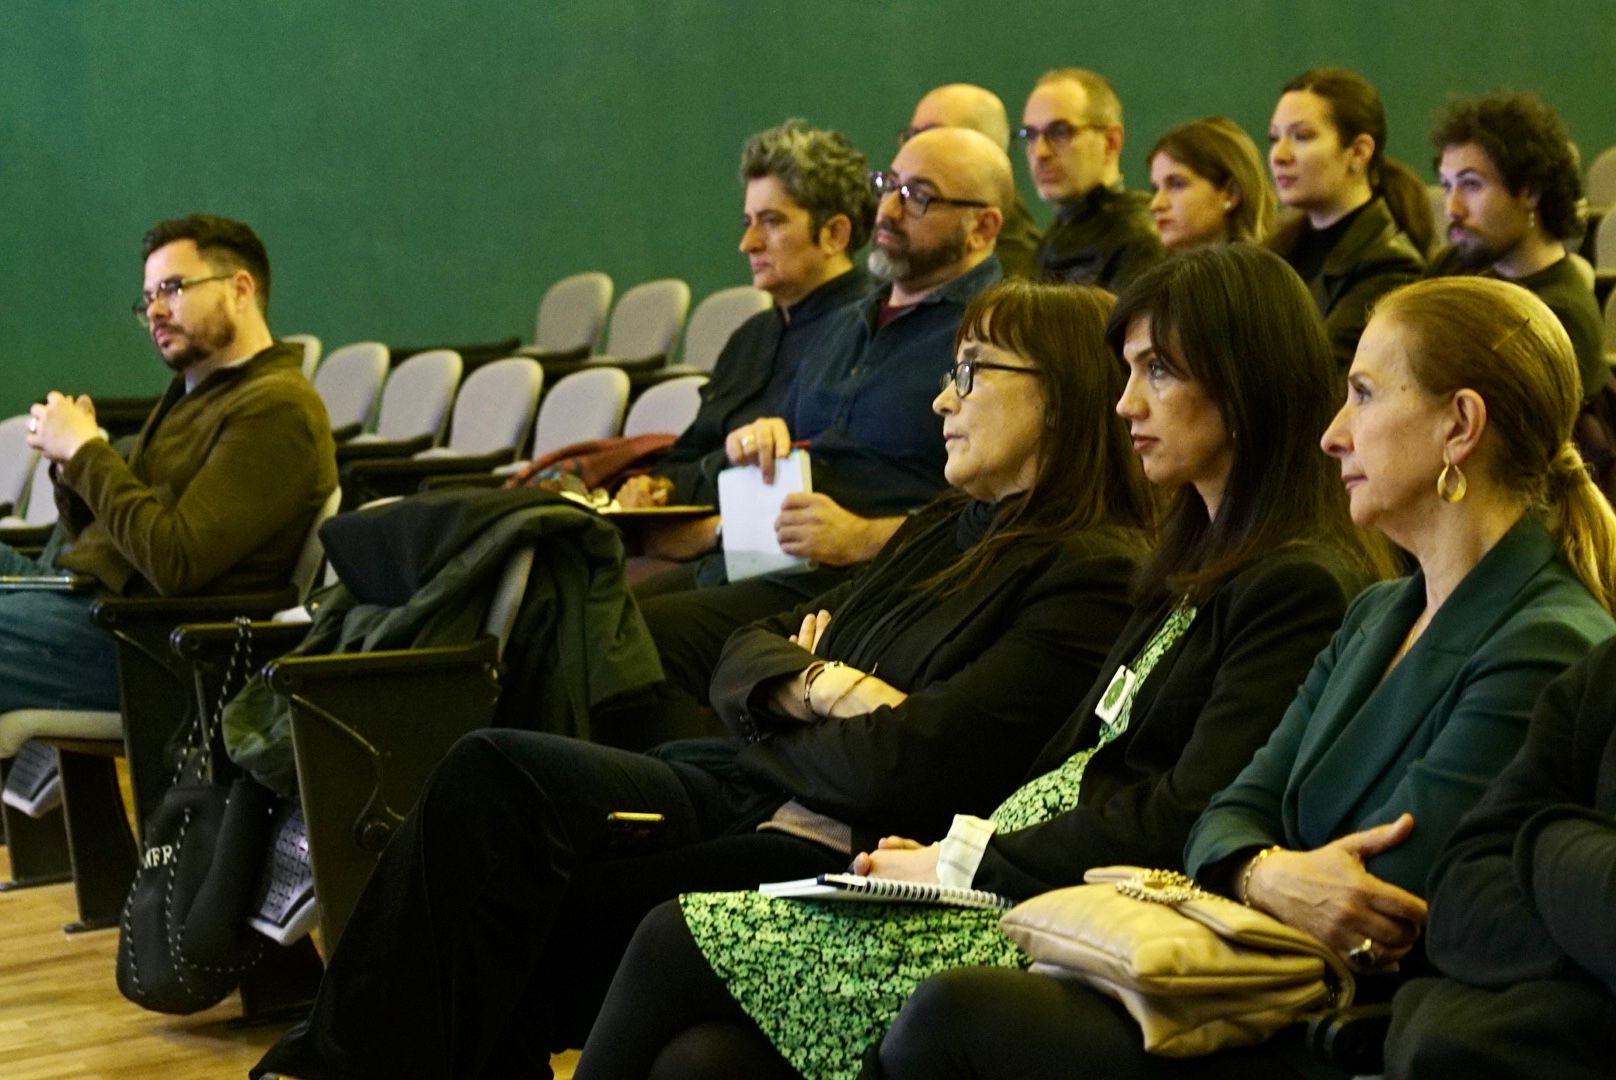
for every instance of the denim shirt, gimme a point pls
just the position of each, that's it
(864, 400)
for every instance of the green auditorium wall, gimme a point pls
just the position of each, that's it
(422, 170)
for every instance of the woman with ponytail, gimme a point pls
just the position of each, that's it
(1364, 224)
(1454, 442)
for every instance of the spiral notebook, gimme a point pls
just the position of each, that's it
(882, 890)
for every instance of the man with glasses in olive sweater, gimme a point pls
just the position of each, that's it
(217, 494)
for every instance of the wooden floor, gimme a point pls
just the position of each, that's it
(61, 1015)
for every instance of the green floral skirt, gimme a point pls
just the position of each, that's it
(824, 979)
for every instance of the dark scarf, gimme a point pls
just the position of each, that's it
(889, 596)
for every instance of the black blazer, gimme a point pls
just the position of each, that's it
(1210, 702)
(1524, 888)
(1371, 259)
(990, 672)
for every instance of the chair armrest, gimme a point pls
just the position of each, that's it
(382, 448)
(347, 431)
(364, 746)
(556, 370)
(546, 357)
(1352, 1039)
(404, 477)
(480, 480)
(639, 380)
(631, 365)
(294, 674)
(110, 611)
(18, 536)
(206, 642)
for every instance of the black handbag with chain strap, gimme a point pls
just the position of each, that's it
(184, 942)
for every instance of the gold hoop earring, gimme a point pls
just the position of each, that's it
(1450, 488)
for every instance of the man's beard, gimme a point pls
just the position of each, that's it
(1474, 253)
(205, 337)
(907, 263)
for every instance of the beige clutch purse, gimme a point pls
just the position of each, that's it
(1199, 972)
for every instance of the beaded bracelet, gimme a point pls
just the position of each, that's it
(1251, 868)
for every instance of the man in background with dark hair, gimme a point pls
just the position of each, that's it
(1513, 190)
(1072, 130)
(808, 208)
(218, 492)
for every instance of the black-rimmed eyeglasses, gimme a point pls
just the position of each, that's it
(913, 199)
(169, 290)
(962, 377)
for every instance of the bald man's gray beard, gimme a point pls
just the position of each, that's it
(907, 263)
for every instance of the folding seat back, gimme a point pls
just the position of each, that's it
(716, 318)
(350, 382)
(646, 322)
(583, 406)
(1605, 243)
(494, 409)
(666, 408)
(417, 396)
(571, 315)
(311, 352)
(16, 461)
(1602, 179)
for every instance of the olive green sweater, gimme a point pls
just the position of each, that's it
(218, 493)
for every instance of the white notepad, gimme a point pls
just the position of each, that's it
(883, 890)
(750, 507)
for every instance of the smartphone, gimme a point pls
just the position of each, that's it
(630, 830)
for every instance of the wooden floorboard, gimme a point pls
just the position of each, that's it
(61, 1015)
(62, 1018)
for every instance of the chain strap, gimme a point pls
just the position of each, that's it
(200, 736)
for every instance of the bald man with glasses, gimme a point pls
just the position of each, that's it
(964, 105)
(217, 493)
(1102, 235)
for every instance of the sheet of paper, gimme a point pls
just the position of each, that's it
(750, 507)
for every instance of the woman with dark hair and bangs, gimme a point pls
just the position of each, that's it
(924, 684)
(1229, 382)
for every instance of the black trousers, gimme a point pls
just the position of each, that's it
(491, 928)
(1562, 1028)
(1005, 1024)
(669, 1017)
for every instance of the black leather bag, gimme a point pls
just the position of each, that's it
(184, 942)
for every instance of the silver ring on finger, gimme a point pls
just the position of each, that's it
(33, 425)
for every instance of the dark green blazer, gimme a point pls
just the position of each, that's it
(1355, 751)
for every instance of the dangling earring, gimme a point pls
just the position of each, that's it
(1450, 488)
(1228, 204)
